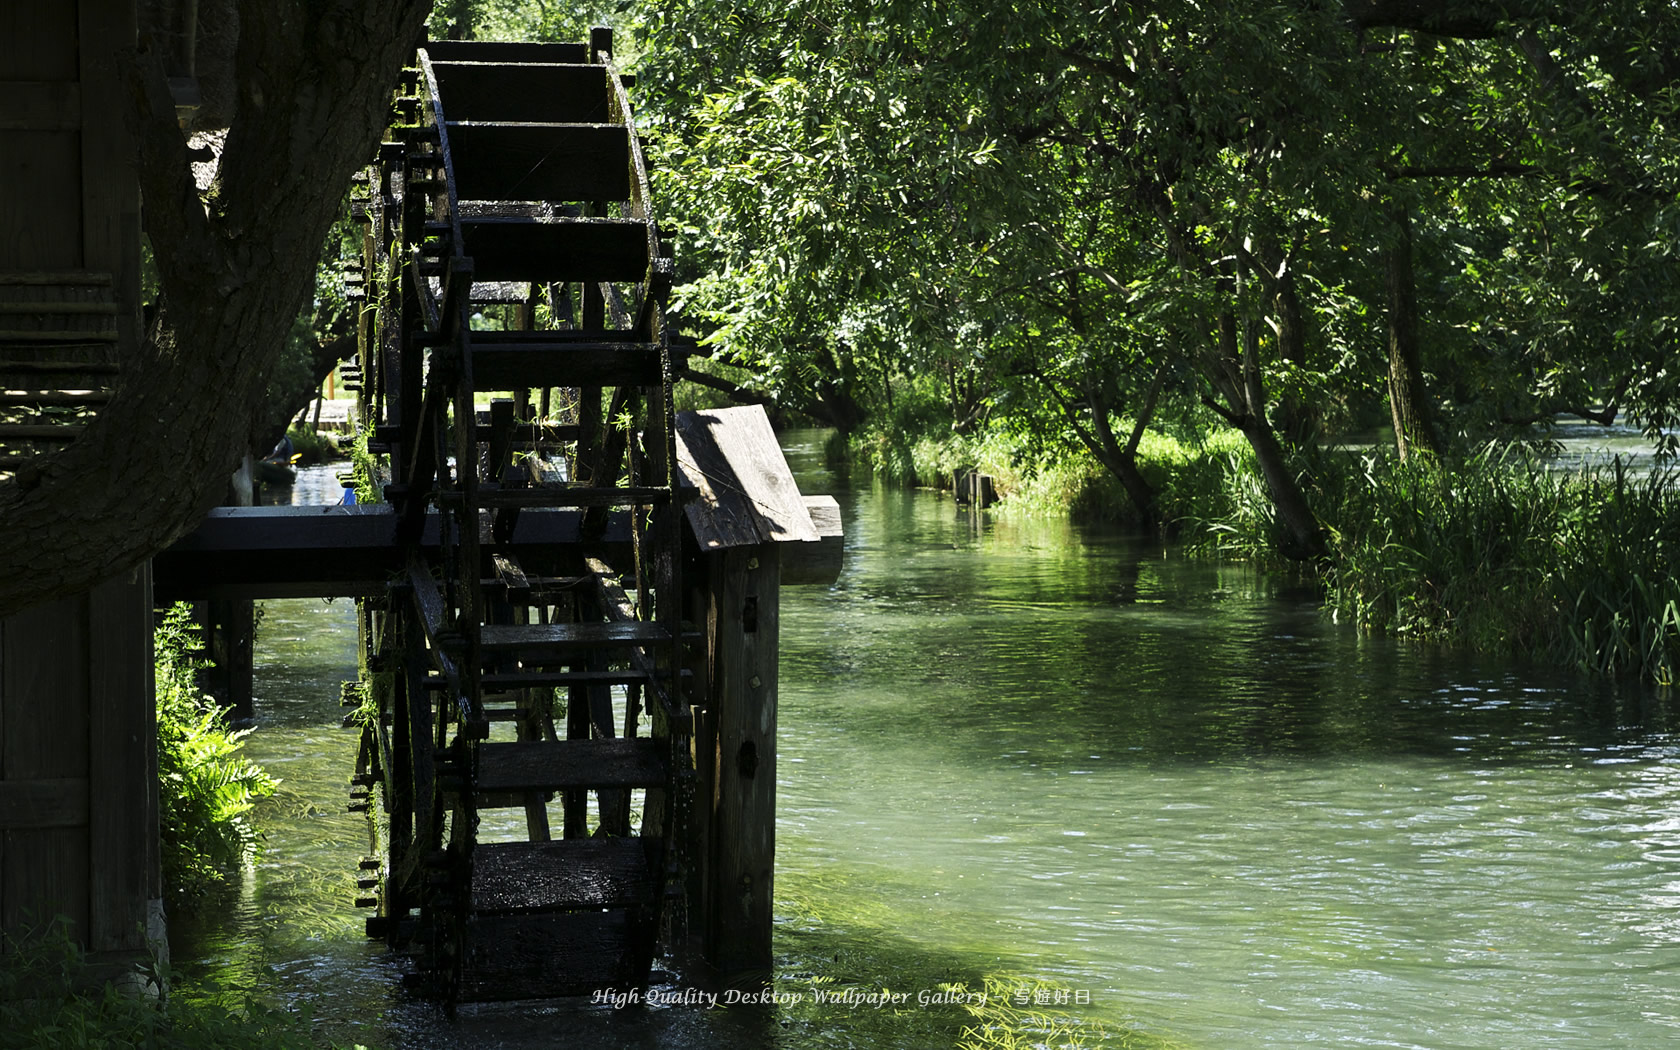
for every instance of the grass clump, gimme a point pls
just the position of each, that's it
(206, 787)
(1500, 553)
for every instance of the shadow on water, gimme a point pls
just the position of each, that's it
(1037, 751)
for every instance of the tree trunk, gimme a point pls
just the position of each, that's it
(1122, 461)
(1408, 399)
(1297, 421)
(1304, 536)
(235, 268)
(1246, 410)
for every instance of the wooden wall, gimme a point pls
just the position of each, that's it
(69, 200)
(78, 792)
(78, 764)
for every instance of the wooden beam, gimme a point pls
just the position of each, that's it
(817, 562)
(110, 181)
(274, 552)
(501, 53)
(44, 689)
(540, 162)
(521, 91)
(521, 249)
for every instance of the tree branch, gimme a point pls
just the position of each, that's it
(734, 390)
(1106, 66)
(1495, 170)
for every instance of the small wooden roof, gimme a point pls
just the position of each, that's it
(745, 492)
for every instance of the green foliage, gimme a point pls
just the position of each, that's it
(313, 446)
(365, 467)
(1036, 474)
(206, 786)
(1502, 553)
(1050, 211)
(522, 19)
(48, 1001)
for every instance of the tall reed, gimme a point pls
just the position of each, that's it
(1499, 552)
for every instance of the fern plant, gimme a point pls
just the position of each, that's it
(206, 785)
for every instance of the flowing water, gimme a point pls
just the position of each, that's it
(1169, 790)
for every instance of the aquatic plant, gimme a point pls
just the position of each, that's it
(206, 787)
(49, 1000)
(1499, 552)
(1027, 1014)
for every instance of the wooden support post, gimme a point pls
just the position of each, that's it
(122, 771)
(232, 634)
(742, 631)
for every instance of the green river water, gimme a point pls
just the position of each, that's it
(1170, 790)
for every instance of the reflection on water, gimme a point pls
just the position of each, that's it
(1031, 749)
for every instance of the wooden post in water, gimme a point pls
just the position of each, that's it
(742, 635)
(753, 531)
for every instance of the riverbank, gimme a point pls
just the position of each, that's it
(1501, 549)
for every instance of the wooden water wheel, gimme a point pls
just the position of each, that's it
(525, 747)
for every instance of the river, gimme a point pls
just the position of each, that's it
(1170, 791)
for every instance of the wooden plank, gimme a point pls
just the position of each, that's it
(110, 183)
(40, 105)
(73, 398)
(504, 91)
(56, 308)
(44, 692)
(541, 162)
(45, 337)
(521, 249)
(556, 642)
(746, 492)
(511, 576)
(524, 877)
(548, 679)
(47, 278)
(538, 362)
(44, 686)
(428, 599)
(60, 432)
(257, 552)
(556, 765)
(573, 496)
(744, 624)
(122, 773)
(37, 368)
(45, 875)
(504, 52)
(36, 804)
